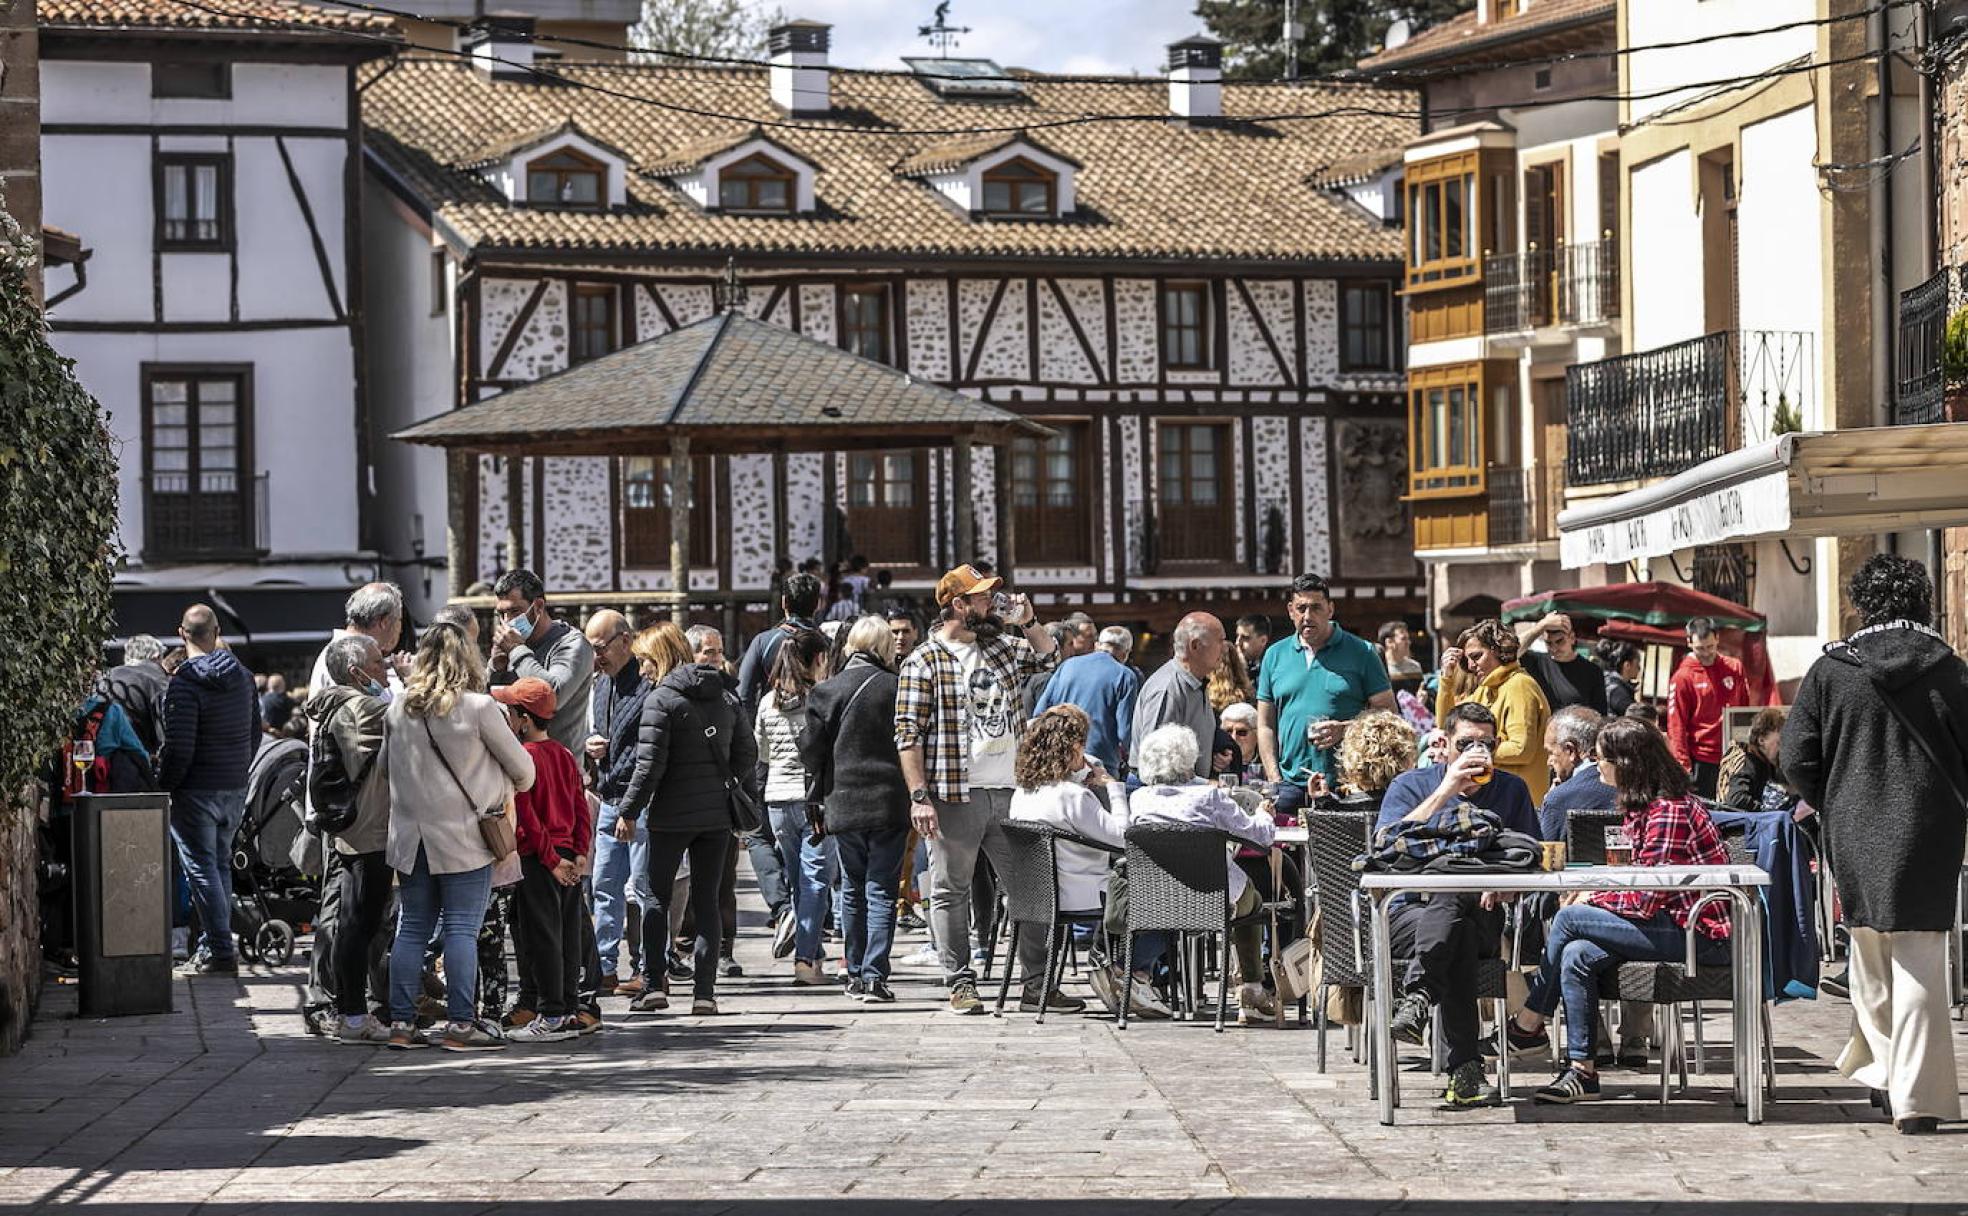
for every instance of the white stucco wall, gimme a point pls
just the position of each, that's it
(1667, 225)
(1680, 74)
(1778, 221)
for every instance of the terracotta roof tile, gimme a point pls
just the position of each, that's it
(1232, 191)
(956, 153)
(1464, 35)
(238, 15)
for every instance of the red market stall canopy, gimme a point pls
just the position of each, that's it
(1657, 614)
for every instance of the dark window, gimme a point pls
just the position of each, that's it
(1048, 496)
(194, 201)
(1541, 79)
(1193, 474)
(756, 183)
(1363, 336)
(1186, 325)
(565, 178)
(593, 327)
(646, 512)
(198, 488)
(440, 291)
(864, 322)
(887, 507)
(191, 80)
(1019, 187)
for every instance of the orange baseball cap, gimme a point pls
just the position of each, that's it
(531, 694)
(964, 580)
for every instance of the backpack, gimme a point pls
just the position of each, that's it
(331, 793)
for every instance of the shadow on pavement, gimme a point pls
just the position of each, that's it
(1035, 1206)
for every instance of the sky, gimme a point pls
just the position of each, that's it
(1098, 37)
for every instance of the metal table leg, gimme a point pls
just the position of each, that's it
(1382, 1032)
(1753, 1011)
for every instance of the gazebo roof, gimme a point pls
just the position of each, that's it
(729, 384)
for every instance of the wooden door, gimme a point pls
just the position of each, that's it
(887, 501)
(1195, 520)
(1548, 400)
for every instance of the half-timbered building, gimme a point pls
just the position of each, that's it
(209, 164)
(1210, 330)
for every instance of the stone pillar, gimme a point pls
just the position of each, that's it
(681, 491)
(963, 539)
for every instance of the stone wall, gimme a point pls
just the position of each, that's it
(20, 924)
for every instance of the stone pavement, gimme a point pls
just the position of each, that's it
(799, 1101)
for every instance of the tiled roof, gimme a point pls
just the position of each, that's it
(956, 153)
(519, 143)
(721, 380)
(237, 15)
(1229, 191)
(1355, 168)
(1464, 35)
(691, 156)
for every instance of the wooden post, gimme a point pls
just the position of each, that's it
(515, 504)
(963, 542)
(459, 467)
(1001, 490)
(681, 491)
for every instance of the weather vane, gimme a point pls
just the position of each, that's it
(730, 294)
(941, 34)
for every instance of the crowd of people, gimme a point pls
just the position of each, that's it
(589, 788)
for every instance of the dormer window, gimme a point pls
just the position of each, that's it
(756, 183)
(565, 178)
(1019, 187)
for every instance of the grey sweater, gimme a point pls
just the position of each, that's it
(563, 658)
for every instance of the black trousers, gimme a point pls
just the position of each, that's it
(1444, 938)
(547, 917)
(1707, 776)
(364, 885)
(667, 850)
(727, 907)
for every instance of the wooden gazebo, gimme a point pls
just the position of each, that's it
(727, 385)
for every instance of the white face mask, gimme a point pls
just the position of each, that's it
(382, 692)
(1082, 773)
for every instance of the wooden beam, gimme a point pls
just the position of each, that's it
(1001, 490)
(459, 467)
(515, 499)
(1100, 375)
(680, 492)
(963, 541)
(662, 309)
(984, 329)
(314, 237)
(518, 327)
(1264, 331)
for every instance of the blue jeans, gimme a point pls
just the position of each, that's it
(814, 867)
(620, 870)
(1582, 943)
(203, 823)
(871, 873)
(453, 905)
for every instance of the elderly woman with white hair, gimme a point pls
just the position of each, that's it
(1240, 764)
(1171, 793)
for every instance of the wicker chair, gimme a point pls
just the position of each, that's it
(1031, 898)
(1585, 834)
(1178, 882)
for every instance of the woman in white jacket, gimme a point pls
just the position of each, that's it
(450, 755)
(812, 867)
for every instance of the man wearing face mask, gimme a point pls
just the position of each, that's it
(528, 641)
(958, 719)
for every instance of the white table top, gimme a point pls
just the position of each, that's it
(1574, 878)
(1291, 836)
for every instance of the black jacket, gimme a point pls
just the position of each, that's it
(139, 688)
(849, 750)
(1893, 825)
(617, 717)
(211, 725)
(1748, 775)
(1619, 695)
(691, 738)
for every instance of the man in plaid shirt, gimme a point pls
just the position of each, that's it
(958, 719)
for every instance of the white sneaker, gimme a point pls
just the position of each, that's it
(1105, 987)
(1145, 1004)
(922, 956)
(371, 1033)
(1256, 1005)
(542, 1030)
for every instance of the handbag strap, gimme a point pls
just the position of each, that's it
(469, 801)
(1899, 711)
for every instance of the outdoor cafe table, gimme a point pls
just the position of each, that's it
(1739, 883)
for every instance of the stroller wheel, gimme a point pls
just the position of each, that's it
(242, 861)
(274, 943)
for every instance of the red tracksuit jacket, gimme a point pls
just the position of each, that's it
(1696, 697)
(548, 817)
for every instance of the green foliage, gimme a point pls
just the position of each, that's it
(1954, 348)
(733, 29)
(57, 528)
(1338, 33)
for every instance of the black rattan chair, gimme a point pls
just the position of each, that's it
(1585, 835)
(1178, 882)
(1031, 898)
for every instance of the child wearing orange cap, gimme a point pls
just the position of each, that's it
(552, 853)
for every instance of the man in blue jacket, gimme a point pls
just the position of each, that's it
(211, 730)
(1572, 741)
(621, 871)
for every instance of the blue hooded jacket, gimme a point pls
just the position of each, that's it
(211, 725)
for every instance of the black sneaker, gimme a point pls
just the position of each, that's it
(1837, 985)
(854, 989)
(878, 993)
(1058, 1002)
(1919, 1125)
(1469, 1088)
(1633, 1054)
(1410, 1019)
(909, 922)
(729, 969)
(207, 965)
(680, 968)
(1573, 1085)
(1526, 1040)
(782, 934)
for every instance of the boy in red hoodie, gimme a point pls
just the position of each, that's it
(1706, 684)
(552, 852)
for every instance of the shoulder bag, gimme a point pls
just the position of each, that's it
(1899, 712)
(738, 802)
(493, 823)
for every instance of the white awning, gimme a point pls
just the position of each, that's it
(1812, 483)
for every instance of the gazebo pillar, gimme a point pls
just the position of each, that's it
(681, 494)
(458, 467)
(963, 542)
(1001, 489)
(515, 501)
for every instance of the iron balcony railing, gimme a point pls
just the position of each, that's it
(1919, 383)
(1576, 285)
(219, 514)
(1512, 514)
(1661, 412)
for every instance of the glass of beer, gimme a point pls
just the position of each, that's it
(1489, 764)
(1619, 850)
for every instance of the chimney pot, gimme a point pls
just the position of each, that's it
(1195, 78)
(798, 75)
(502, 48)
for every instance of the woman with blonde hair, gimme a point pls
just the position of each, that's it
(451, 759)
(1231, 682)
(691, 747)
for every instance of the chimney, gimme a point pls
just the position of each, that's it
(1196, 78)
(502, 48)
(799, 66)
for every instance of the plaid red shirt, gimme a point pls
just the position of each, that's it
(1671, 832)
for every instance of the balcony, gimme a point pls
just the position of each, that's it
(1919, 384)
(209, 516)
(1573, 286)
(1661, 412)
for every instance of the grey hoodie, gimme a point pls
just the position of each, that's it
(356, 720)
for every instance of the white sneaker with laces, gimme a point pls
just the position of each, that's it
(542, 1030)
(371, 1033)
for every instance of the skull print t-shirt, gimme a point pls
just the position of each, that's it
(987, 709)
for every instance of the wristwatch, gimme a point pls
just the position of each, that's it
(919, 795)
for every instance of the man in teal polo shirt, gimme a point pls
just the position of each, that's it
(1308, 687)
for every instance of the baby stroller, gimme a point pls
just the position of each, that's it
(272, 901)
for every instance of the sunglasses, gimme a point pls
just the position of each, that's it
(1463, 745)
